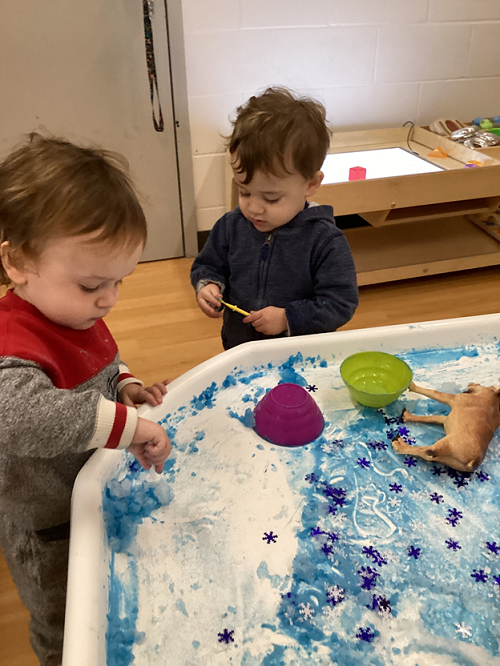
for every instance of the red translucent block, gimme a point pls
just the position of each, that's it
(357, 173)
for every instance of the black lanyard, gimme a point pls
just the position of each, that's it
(148, 11)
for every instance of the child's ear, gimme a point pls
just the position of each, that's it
(314, 183)
(12, 264)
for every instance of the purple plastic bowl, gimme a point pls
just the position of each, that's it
(288, 415)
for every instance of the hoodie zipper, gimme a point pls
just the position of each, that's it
(265, 253)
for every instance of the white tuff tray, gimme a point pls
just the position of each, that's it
(87, 602)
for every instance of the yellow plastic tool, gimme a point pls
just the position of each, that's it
(234, 307)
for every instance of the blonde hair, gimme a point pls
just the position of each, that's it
(51, 188)
(278, 130)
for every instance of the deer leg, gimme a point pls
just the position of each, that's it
(432, 453)
(440, 419)
(446, 398)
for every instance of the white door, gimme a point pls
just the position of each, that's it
(77, 68)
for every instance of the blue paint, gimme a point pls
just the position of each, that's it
(432, 563)
(181, 606)
(229, 381)
(248, 418)
(206, 398)
(121, 634)
(288, 373)
(276, 657)
(125, 507)
(247, 379)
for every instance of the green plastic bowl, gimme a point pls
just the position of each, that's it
(375, 379)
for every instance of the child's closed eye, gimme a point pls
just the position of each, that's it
(88, 290)
(272, 201)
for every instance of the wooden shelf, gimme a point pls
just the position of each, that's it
(415, 249)
(418, 222)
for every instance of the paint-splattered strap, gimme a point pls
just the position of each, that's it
(148, 11)
(115, 425)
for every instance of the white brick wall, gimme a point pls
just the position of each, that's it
(373, 63)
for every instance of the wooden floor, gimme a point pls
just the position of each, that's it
(161, 333)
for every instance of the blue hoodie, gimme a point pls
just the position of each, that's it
(305, 266)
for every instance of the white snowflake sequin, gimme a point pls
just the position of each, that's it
(418, 526)
(463, 629)
(306, 611)
(335, 593)
(419, 496)
(332, 613)
(394, 501)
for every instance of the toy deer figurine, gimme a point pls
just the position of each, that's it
(469, 427)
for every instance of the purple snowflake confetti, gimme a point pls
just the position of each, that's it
(409, 461)
(226, 636)
(483, 476)
(413, 551)
(327, 549)
(479, 575)
(365, 634)
(393, 419)
(396, 488)
(316, 532)
(369, 577)
(312, 388)
(338, 442)
(454, 516)
(496, 580)
(381, 604)
(436, 498)
(437, 470)
(377, 446)
(336, 495)
(460, 482)
(374, 554)
(363, 462)
(269, 537)
(493, 548)
(451, 544)
(311, 478)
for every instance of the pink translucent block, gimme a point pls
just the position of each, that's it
(288, 415)
(357, 173)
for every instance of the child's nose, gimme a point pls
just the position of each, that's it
(255, 205)
(108, 298)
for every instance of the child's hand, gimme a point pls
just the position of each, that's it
(150, 444)
(207, 300)
(135, 394)
(270, 320)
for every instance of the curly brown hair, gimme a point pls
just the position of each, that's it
(279, 132)
(51, 188)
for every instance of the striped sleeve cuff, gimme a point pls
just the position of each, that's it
(115, 425)
(125, 377)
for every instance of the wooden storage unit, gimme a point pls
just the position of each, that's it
(420, 224)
